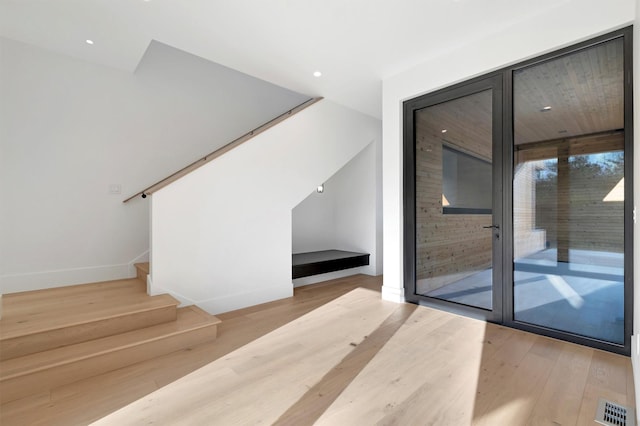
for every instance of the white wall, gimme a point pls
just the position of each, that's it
(356, 208)
(313, 225)
(344, 217)
(569, 22)
(222, 234)
(69, 129)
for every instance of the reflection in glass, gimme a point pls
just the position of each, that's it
(466, 183)
(568, 194)
(454, 200)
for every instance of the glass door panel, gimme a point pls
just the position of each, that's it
(520, 215)
(455, 230)
(568, 193)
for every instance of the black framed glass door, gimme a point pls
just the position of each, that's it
(518, 198)
(569, 209)
(456, 200)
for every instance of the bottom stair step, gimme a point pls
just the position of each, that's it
(21, 335)
(42, 371)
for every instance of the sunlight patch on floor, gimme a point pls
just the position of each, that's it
(260, 381)
(569, 294)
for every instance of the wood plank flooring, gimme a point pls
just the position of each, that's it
(336, 354)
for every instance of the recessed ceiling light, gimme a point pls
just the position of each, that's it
(317, 74)
(89, 41)
(444, 130)
(546, 108)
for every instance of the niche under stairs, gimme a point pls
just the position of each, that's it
(336, 229)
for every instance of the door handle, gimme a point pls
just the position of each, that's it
(491, 226)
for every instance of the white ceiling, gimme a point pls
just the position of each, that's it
(355, 43)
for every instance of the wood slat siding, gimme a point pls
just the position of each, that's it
(572, 211)
(585, 90)
(449, 247)
(527, 237)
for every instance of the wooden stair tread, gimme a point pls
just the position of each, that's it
(142, 271)
(35, 296)
(79, 312)
(188, 318)
(53, 337)
(144, 267)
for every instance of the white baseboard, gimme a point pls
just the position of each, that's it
(40, 280)
(393, 294)
(154, 290)
(232, 302)
(217, 305)
(144, 257)
(150, 287)
(63, 277)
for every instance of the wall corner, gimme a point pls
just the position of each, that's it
(393, 294)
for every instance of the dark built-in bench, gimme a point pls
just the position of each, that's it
(321, 262)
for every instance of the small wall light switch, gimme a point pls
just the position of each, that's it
(115, 188)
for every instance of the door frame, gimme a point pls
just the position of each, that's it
(494, 82)
(503, 312)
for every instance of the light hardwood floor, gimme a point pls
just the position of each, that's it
(336, 354)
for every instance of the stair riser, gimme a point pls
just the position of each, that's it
(142, 270)
(49, 378)
(51, 339)
(141, 275)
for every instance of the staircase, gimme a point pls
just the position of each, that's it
(49, 338)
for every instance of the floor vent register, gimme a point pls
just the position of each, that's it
(611, 414)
